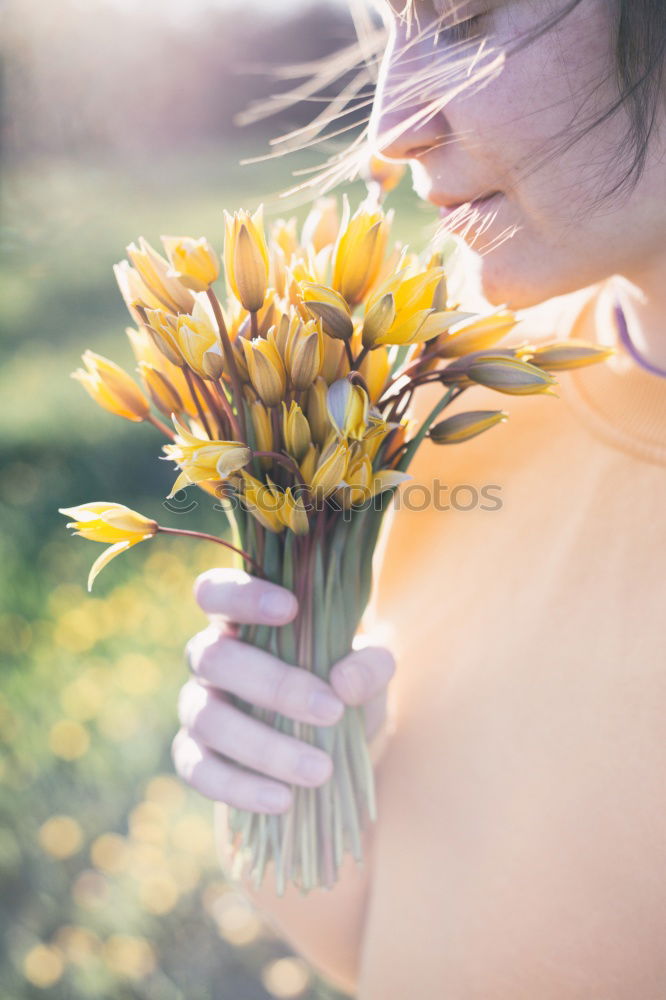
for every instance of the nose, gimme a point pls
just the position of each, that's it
(396, 129)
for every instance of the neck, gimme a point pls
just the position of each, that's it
(643, 300)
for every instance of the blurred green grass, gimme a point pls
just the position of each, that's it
(109, 882)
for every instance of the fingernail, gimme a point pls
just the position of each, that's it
(276, 603)
(325, 705)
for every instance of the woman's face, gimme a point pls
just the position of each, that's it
(486, 139)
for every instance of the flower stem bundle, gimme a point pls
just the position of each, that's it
(287, 394)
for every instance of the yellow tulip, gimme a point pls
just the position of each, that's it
(265, 369)
(201, 459)
(283, 235)
(329, 306)
(198, 340)
(321, 225)
(348, 408)
(378, 320)
(407, 310)
(309, 463)
(359, 251)
(330, 471)
(317, 411)
(111, 387)
(163, 328)
(160, 389)
(295, 430)
(246, 259)
(510, 375)
(263, 431)
(193, 262)
(482, 333)
(111, 523)
(357, 480)
(376, 369)
(156, 275)
(147, 352)
(463, 426)
(563, 355)
(263, 500)
(292, 513)
(335, 363)
(304, 353)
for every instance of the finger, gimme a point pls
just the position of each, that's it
(222, 781)
(262, 679)
(244, 598)
(362, 674)
(223, 728)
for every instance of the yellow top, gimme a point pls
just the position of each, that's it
(521, 827)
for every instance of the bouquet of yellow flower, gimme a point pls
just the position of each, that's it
(289, 400)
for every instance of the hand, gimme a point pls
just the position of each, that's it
(222, 665)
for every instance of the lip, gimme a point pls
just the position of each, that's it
(448, 209)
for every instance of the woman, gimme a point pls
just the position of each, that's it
(520, 849)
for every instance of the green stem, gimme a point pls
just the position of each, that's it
(212, 538)
(189, 378)
(414, 442)
(230, 359)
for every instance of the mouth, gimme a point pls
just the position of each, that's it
(483, 200)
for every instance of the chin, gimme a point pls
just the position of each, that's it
(512, 284)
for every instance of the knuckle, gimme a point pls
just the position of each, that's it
(192, 701)
(187, 755)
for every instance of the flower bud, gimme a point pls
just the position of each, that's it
(328, 305)
(198, 341)
(482, 333)
(160, 389)
(320, 228)
(565, 354)
(359, 251)
(169, 292)
(347, 406)
(510, 375)
(331, 468)
(304, 353)
(265, 369)
(112, 388)
(317, 411)
(292, 513)
(378, 320)
(263, 500)
(295, 430)
(263, 430)
(376, 369)
(463, 426)
(162, 328)
(193, 262)
(246, 258)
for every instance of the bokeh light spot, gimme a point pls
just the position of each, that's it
(129, 956)
(286, 977)
(60, 836)
(69, 739)
(43, 966)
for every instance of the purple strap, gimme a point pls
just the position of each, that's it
(626, 341)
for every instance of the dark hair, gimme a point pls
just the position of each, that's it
(638, 41)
